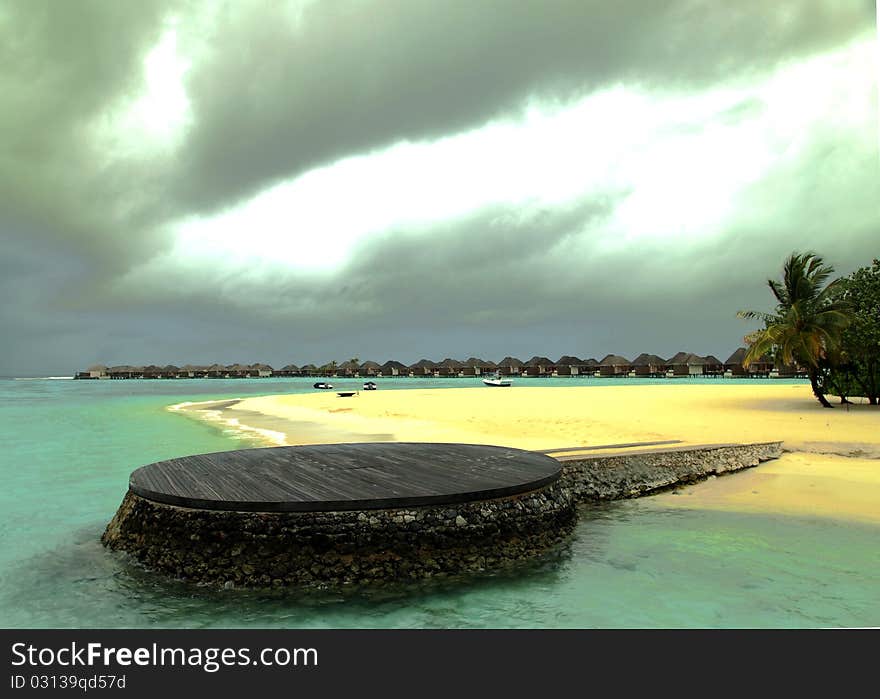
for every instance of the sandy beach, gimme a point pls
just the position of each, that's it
(831, 468)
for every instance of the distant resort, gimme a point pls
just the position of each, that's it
(683, 364)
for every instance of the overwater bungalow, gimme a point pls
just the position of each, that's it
(614, 365)
(191, 371)
(370, 368)
(449, 368)
(123, 371)
(394, 368)
(260, 371)
(734, 365)
(348, 368)
(568, 366)
(510, 366)
(238, 371)
(216, 371)
(169, 371)
(648, 365)
(590, 366)
(287, 370)
(474, 366)
(788, 371)
(309, 370)
(685, 364)
(539, 366)
(423, 367)
(713, 366)
(152, 372)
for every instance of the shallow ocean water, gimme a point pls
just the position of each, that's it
(69, 446)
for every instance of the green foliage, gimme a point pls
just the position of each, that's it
(809, 319)
(854, 370)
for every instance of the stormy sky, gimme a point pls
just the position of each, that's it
(200, 182)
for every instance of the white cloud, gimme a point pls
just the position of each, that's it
(685, 159)
(154, 120)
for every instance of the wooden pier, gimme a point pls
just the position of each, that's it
(338, 477)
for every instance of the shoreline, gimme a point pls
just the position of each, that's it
(831, 468)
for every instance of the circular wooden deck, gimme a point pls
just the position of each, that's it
(329, 477)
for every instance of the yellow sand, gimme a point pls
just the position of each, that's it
(816, 480)
(798, 484)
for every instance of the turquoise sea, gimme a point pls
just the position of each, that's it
(69, 446)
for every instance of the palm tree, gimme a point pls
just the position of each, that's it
(808, 321)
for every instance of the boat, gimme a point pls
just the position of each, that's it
(345, 394)
(370, 386)
(323, 384)
(497, 381)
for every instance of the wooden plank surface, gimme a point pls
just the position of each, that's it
(328, 477)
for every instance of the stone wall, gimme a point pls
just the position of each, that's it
(595, 478)
(377, 546)
(331, 548)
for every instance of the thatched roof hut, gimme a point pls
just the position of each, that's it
(761, 367)
(370, 368)
(449, 367)
(568, 365)
(348, 368)
(510, 366)
(539, 366)
(678, 358)
(712, 365)
(394, 368)
(649, 365)
(614, 365)
(734, 364)
(191, 371)
(423, 367)
(123, 371)
(736, 359)
(474, 366)
(98, 371)
(686, 364)
(309, 370)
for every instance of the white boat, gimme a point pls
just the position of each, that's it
(323, 384)
(497, 381)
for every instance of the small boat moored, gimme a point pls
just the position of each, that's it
(345, 394)
(370, 386)
(497, 381)
(323, 385)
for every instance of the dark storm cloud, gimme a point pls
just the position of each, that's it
(63, 65)
(274, 99)
(270, 100)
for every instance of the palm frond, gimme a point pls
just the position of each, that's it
(756, 315)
